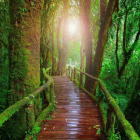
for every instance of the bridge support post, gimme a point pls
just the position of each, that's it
(30, 115)
(74, 75)
(52, 92)
(69, 70)
(71, 73)
(81, 80)
(110, 123)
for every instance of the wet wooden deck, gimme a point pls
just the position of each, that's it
(75, 116)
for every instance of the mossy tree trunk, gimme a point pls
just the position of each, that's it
(24, 57)
(106, 19)
(4, 56)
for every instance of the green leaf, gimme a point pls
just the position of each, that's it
(98, 131)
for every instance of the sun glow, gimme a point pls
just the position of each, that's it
(72, 28)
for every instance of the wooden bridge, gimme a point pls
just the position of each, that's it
(75, 117)
(78, 114)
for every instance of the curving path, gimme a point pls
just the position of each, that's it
(75, 117)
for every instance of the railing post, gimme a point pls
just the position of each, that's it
(110, 123)
(99, 89)
(47, 94)
(69, 70)
(81, 79)
(52, 92)
(30, 114)
(66, 72)
(71, 73)
(74, 74)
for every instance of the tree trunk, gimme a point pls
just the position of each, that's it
(24, 57)
(59, 48)
(81, 12)
(63, 51)
(64, 38)
(45, 34)
(86, 47)
(53, 45)
(102, 40)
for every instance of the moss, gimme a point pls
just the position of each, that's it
(104, 117)
(4, 53)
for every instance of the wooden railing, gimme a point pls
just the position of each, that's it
(28, 103)
(114, 111)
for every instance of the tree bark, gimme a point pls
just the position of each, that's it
(102, 40)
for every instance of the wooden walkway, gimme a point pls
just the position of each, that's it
(75, 116)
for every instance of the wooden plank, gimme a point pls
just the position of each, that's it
(64, 128)
(67, 136)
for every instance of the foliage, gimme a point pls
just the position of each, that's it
(4, 135)
(116, 136)
(35, 130)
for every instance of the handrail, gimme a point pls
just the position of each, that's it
(27, 102)
(108, 121)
